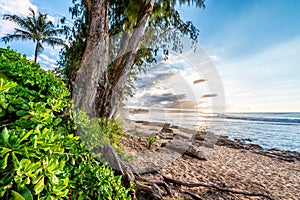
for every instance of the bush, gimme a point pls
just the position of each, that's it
(40, 157)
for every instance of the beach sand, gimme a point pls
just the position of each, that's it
(233, 168)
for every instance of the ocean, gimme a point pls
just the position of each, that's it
(269, 130)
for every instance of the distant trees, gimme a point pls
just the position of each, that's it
(35, 28)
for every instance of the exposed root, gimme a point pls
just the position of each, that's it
(217, 187)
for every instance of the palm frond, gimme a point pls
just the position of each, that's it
(17, 20)
(25, 33)
(52, 41)
(10, 37)
(55, 32)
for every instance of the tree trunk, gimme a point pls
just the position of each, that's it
(36, 51)
(96, 90)
(91, 76)
(109, 99)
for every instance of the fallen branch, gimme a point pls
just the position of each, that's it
(210, 185)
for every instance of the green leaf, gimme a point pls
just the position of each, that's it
(57, 121)
(37, 178)
(16, 162)
(2, 113)
(24, 137)
(27, 194)
(21, 113)
(5, 85)
(4, 137)
(17, 196)
(38, 188)
(3, 189)
(4, 150)
(3, 162)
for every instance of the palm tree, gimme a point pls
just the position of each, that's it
(35, 28)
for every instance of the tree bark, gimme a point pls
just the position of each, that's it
(36, 51)
(120, 68)
(97, 90)
(92, 74)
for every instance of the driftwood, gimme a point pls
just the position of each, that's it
(217, 187)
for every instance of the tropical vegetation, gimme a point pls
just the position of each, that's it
(35, 28)
(41, 157)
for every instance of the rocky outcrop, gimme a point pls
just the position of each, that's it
(289, 156)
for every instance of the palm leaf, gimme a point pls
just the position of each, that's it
(53, 41)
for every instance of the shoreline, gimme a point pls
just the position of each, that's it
(237, 165)
(237, 143)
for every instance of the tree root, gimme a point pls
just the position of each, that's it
(194, 196)
(216, 186)
(153, 189)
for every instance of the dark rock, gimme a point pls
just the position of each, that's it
(253, 146)
(166, 129)
(201, 132)
(289, 156)
(142, 122)
(174, 127)
(163, 144)
(199, 137)
(194, 153)
(147, 170)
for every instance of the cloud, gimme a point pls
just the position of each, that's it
(17, 7)
(46, 62)
(273, 70)
(180, 82)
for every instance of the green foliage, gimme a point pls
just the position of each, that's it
(40, 158)
(95, 133)
(151, 140)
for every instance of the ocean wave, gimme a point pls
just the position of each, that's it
(262, 119)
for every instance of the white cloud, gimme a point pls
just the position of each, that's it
(51, 18)
(17, 7)
(46, 62)
(257, 81)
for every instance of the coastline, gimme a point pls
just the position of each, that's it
(218, 160)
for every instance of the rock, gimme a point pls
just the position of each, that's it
(289, 156)
(166, 129)
(142, 122)
(194, 153)
(198, 137)
(174, 127)
(253, 146)
(147, 170)
(163, 144)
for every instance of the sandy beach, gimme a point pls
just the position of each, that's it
(239, 168)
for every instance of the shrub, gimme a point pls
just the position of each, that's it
(40, 157)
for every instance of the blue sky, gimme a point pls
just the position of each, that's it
(255, 45)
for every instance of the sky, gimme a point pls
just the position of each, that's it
(253, 46)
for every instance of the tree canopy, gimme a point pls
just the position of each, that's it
(123, 16)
